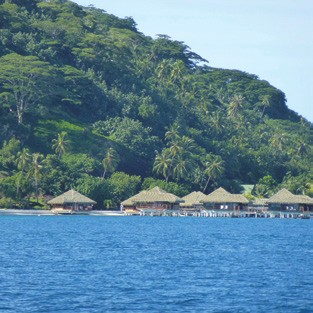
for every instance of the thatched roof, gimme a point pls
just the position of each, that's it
(217, 196)
(156, 194)
(193, 198)
(282, 196)
(71, 196)
(237, 198)
(131, 201)
(286, 197)
(220, 195)
(302, 199)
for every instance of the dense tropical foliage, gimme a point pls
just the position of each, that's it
(89, 102)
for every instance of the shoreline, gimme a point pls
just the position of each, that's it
(50, 213)
(24, 212)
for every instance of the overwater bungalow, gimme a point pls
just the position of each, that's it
(257, 207)
(152, 202)
(286, 202)
(225, 203)
(71, 202)
(192, 203)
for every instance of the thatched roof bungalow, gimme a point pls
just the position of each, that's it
(192, 201)
(71, 201)
(284, 200)
(220, 199)
(154, 199)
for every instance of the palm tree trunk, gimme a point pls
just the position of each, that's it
(206, 185)
(36, 187)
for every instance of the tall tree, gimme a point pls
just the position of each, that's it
(217, 121)
(162, 164)
(25, 80)
(110, 161)
(278, 141)
(37, 158)
(23, 159)
(172, 134)
(60, 145)
(176, 148)
(236, 106)
(178, 72)
(163, 71)
(265, 103)
(188, 145)
(181, 168)
(214, 168)
(302, 148)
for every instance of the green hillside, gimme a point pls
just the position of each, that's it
(89, 102)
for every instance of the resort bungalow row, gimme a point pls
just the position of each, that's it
(159, 202)
(219, 203)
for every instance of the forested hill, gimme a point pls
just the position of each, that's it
(87, 101)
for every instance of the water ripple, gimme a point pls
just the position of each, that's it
(142, 264)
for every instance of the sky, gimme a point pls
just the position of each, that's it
(272, 39)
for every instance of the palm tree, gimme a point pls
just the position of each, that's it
(172, 134)
(176, 149)
(304, 187)
(188, 144)
(199, 177)
(181, 168)
(110, 161)
(162, 164)
(216, 121)
(266, 103)
(36, 170)
(60, 145)
(214, 169)
(221, 94)
(235, 107)
(163, 70)
(277, 141)
(178, 71)
(303, 148)
(23, 158)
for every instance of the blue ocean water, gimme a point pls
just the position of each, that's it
(151, 264)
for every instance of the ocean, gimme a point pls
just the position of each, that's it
(155, 264)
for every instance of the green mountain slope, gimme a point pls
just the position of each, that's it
(106, 107)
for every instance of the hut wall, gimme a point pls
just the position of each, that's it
(154, 206)
(226, 206)
(294, 207)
